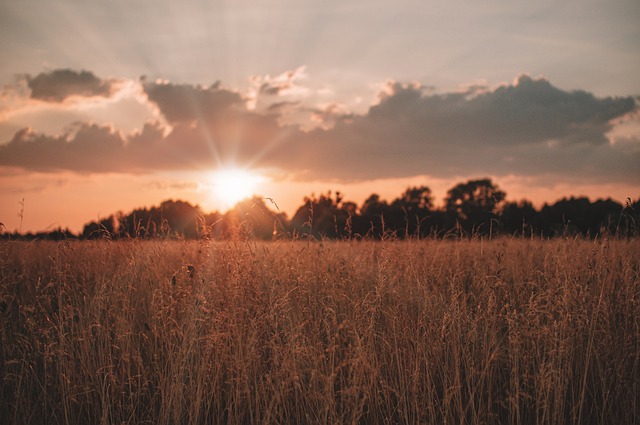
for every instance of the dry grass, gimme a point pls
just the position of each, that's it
(507, 331)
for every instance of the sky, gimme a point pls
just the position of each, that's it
(110, 106)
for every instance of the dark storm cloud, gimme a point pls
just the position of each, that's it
(58, 85)
(526, 128)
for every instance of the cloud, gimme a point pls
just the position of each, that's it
(325, 117)
(188, 103)
(60, 84)
(94, 148)
(126, 107)
(529, 111)
(529, 126)
(526, 128)
(285, 84)
(85, 148)
(281, 95)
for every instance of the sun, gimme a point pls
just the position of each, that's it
(232, 185)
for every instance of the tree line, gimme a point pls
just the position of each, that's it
(476, 208)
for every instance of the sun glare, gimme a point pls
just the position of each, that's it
(233, 185)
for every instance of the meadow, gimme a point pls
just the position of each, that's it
(508, 331)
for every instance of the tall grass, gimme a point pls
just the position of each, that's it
(450, 332)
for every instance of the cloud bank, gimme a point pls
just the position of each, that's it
(528, 127)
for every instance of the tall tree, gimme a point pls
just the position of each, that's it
(322, 216)
(374, 214)
(472, 205)
(519, 218)
(409, 212)
(252, 218)
(105, 228)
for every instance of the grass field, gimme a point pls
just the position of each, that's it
(449, 332)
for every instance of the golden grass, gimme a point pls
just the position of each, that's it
(508, 331)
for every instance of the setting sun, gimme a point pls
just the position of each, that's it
(232, 185)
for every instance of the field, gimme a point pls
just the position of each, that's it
(506, 331)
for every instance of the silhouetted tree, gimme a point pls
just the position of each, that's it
(408, 213)
(58, 234)
(372, 222)
(349, 211)
(519, 218)
(629, 221)
(105, 228)
(135, 224)
(321, 217)
(212, 226)
(604, 217)
(578, 216)
(252, 218)
(170, 219)
(472, 205)
(475, 207)
(182, 218)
